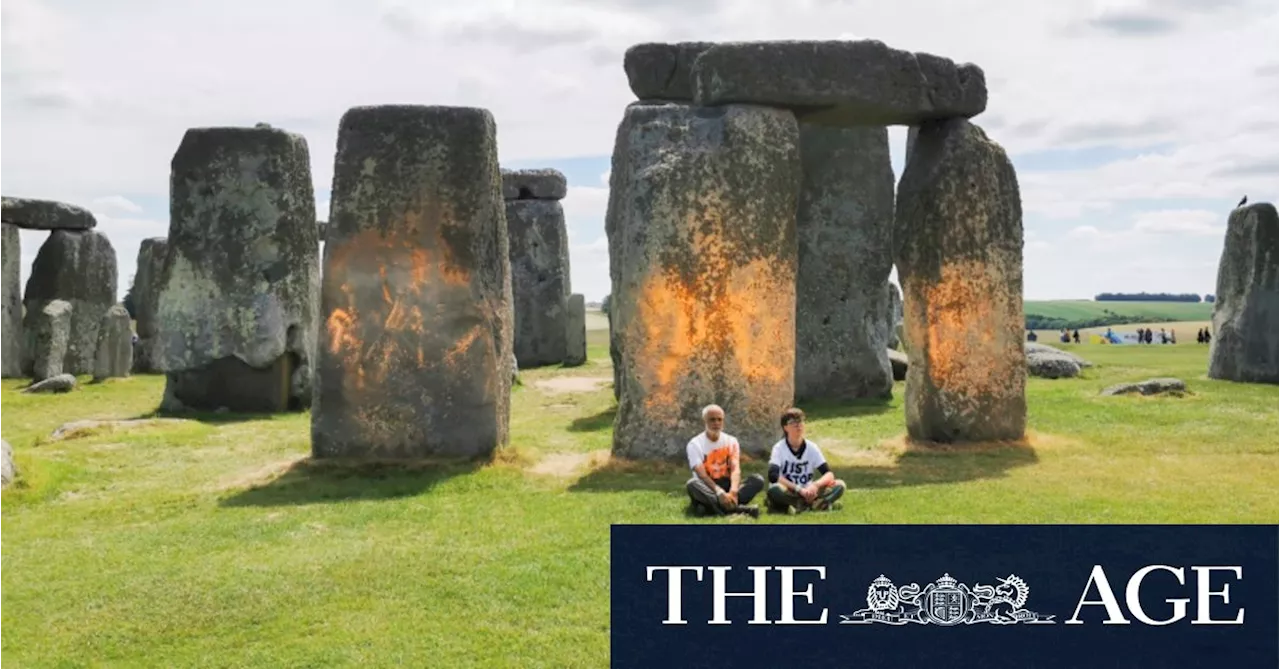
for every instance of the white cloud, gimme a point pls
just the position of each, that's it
(1196, 223)
(589, 269)
(584, 209)
(115, 204)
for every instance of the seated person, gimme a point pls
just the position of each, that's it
(798, 474)
(717, 485)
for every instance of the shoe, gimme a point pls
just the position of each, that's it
(753, 511)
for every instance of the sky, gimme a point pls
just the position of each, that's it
(1134, 126)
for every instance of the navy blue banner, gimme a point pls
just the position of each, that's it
(944, 596)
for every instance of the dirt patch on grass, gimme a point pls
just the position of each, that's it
(883, 454)
(260, 475)
(568, 465)
(573, 384)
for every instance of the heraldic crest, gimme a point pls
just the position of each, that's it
(947, 602)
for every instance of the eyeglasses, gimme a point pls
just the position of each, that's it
(715, 419)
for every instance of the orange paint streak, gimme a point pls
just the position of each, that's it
(727, 318)
(371, 342)
(971, 348)
(451, 358)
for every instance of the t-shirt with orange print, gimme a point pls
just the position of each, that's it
(716, 456)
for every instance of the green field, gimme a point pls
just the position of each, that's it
(1137, 312)
(213, 540)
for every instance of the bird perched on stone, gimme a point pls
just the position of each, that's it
(1243, 200)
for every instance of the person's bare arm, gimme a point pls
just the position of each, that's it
(735, 474)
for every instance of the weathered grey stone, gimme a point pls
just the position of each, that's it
(1245, 311)
(8, 471)
(62, 383)
(48, 330)
(1160, 386)
(958, 239)
(240, 286)
(115, 345)
(33, 214)
(539, 252)
(322, 228)
(899, 362)
(232, 384)
(538, 184)
(615, 356)
(1055, 365)
(861, 82)
(146, 297)
(575, 332)
(895, 313)
(662, 71)
(11, 302)
(702, 254)
(1034, 347)
(80, 268)
(416, 301)
(844, 228)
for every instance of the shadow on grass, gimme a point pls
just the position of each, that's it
(825, 409)
(596, 423)
(309, 481)
(910, 465)
(211, 417)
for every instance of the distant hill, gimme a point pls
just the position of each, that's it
(1056, 314)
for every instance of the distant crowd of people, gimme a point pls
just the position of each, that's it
(1143, 336)
(1147, 337)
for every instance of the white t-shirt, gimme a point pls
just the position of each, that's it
(800, 468)
(716, 456)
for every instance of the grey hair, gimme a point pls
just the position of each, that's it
(707, 409)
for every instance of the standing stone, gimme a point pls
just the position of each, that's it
(146, 296)
(48, 332)
(615, 355)
(958, 238)
(1245, 319)
(895, 313)
(79, 268)
(115, 345)
(539, 251)
(702, 251)
(844, 228)
(416, 303)
(575, 332)
(12, 302)
(235, 314)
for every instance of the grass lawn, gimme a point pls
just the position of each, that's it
(1139, 311)
(213, 541)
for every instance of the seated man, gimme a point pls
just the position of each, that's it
(717, 484)
(793, 466)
